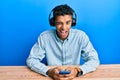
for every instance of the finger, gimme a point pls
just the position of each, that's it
(67, 75)
(56, 77)
(68, 68)
(56, 71)
(61, 76)
(66, 78)
(69, 78)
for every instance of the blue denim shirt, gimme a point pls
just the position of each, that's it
(59, 52)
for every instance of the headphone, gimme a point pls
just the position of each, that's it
(52, 19)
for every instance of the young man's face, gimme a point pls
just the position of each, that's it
(63, 25)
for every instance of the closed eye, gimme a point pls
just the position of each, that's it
(58, 23)
(68, 22)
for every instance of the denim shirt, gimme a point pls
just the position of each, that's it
(59, 52)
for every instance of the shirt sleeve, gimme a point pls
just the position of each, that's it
(37, 53)
(89, 55)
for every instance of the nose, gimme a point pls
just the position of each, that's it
(63, 26)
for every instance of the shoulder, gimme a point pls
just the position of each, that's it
(80, 34)
(77, 31)
(47, 32)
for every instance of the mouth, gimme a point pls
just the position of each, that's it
(63, 33)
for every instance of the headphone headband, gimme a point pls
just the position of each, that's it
(52, 19)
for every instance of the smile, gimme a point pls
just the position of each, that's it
(63, 32)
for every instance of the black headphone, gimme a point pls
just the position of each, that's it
(52, 19)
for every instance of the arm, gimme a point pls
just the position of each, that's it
(89, 55)
(37, 53)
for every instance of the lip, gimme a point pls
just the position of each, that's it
(63, 33)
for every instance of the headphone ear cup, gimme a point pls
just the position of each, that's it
(52, 22)
(73, 22)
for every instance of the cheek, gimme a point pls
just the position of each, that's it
(68, 27)
(58, 27)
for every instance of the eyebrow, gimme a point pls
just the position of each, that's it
(68, 21)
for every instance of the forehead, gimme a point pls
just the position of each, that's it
(63, 18)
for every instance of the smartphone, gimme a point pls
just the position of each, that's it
(64, 72)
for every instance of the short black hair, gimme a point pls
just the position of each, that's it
(62, 10)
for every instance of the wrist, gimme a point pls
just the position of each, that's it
(48, 72)
(79, 71)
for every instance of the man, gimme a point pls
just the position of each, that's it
(63, 46)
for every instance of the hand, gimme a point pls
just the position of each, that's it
(54, 73)
(73, 73)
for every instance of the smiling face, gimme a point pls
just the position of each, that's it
(63, 25)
